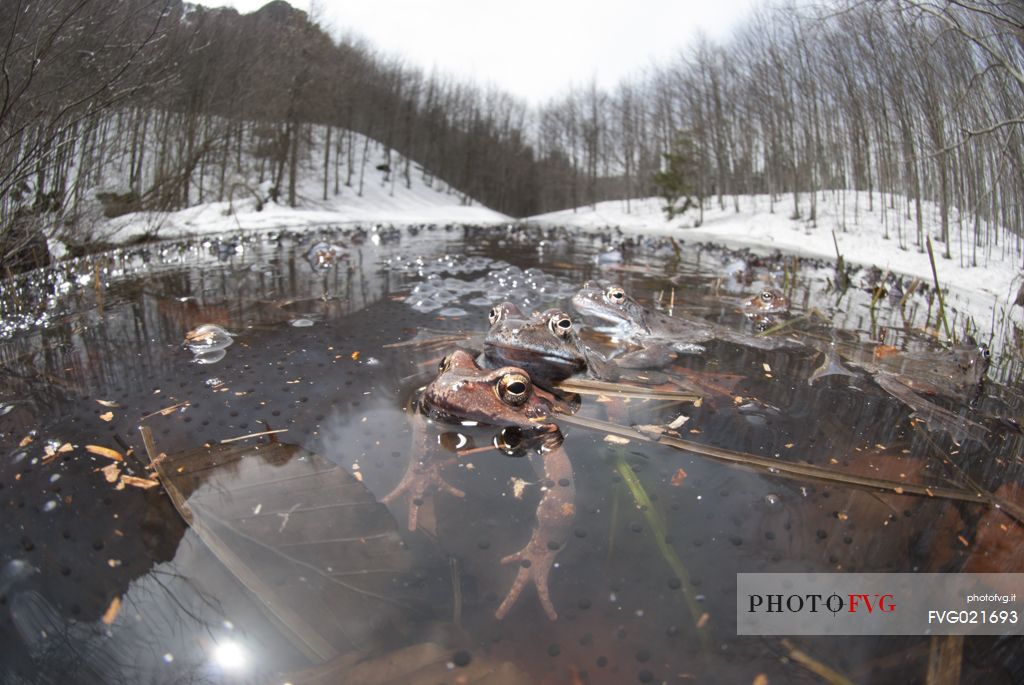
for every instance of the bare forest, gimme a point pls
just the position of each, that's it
(916, 101)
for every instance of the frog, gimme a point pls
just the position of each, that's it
(769, 301)
(547, 345)
(661, 337)
(956, 373)
(506, 396)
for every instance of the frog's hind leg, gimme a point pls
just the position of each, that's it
(652, 356)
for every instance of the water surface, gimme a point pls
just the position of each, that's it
(102, 583)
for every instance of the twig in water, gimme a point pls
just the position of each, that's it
(787, 469)
(824, 672)
(166, 410)
(254, 435)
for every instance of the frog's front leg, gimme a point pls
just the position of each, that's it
(422, 477)
(554, 519)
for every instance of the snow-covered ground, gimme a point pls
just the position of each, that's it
(987, 290)
(417, 205)
(385, 198)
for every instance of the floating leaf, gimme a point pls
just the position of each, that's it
(678, 421)
(104, 452)
(111, 473)
(107, 416)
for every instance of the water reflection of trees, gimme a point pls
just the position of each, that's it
(125, 332)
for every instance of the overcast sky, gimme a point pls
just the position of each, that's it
(531, 48)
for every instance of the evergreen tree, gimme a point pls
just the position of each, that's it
(677, 179)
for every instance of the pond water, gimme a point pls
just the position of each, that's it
(102, 579)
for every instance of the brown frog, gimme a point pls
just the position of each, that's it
(506, 396)
(768, 301)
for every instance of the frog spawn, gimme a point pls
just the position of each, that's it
(532, 287)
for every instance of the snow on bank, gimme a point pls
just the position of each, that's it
(385, 198)
(988, 288)
(406, 207)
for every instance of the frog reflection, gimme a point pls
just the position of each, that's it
(464, 392)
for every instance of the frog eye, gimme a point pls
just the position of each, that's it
(616, 295)
(767, 295)
(985, 352)
(513, 388)
(446, 363)
(494, 315)
(560, 324)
